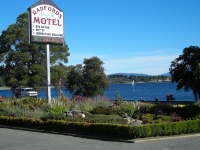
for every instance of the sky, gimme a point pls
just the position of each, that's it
(129, 36)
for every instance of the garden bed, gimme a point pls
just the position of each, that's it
(102, 117)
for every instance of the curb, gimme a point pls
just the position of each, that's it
(166, 137)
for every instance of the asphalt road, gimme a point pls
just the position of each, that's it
(12, 139)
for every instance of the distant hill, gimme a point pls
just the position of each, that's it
(137, 74)
(166, 74)
(129, 74)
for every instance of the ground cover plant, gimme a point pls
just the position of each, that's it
(98, 110)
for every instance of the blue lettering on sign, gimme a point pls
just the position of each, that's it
(47, 15)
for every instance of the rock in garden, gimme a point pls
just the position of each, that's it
(74, 113)
(136, 122)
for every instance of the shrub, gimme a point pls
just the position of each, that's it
(161, 109)
(114, 119)
(2, 105)
(106, 129)
(162, 119)
(17, 111)
(51, 116)
(58, 106)
(34, 103)
(89, 104)
(175, 117)
(122, 109)
(190, 111)
(147, 118)
(99, 110)
(151, 118)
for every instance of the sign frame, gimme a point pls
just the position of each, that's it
(46, 23)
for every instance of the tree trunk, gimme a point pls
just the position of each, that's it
(195, 95)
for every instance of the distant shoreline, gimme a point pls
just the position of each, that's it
(4, 88)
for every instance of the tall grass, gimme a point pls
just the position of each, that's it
(89, 104)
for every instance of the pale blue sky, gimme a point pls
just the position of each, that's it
(129, 36)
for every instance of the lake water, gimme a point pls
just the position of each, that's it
(146, 91)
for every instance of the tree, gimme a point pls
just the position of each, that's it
(59, 76)
(196, 83)
(25, 63)
(88, 79)
(182, 70)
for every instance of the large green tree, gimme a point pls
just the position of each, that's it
(88, 79)
(25, 63)
(196, 83)
(183, 70)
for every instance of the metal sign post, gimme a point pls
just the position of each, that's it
(46, 26)
(48, 85)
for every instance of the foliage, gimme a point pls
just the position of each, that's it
(152, 118)
(2, 83)
(24, 63)
(115, 119)
(99, 110)
(119, 99)
(122, 109)
(89, 104)
(175, 117)
(121, 78)
(58, 106)
(109, 122)
(147, 118)
(59, 109)
(161, 109)
(190, 111)
(26, 107)
(17, 111)
(27, 103)
(59, 75)
(89, 79)
(34, 103)
(106, 129)
(53, 116)
(196, 82)
(162, 119)
(185, 70)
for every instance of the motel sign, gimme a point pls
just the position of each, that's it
(46, 23)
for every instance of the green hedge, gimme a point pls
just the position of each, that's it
(105, 129)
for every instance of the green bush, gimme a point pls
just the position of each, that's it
(2, 105)
(162, 119)
(122, 109)
(99, 110)
(175, 117)
(1, 113)
(119, 109)
(161, 109)
(52, 116)
(106, 129)
(17, 111)
(151, 118)
(57, 109)
(190, 111)
(114, 119)
(147, 118)
(33, 102)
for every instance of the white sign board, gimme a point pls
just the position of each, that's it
(46, 24)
